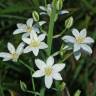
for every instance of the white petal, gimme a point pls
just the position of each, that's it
(68, 39)
(58, 67)
(42, 23)
(33, 36)
(41, 37)
(40, 64)
(48, 81)
(36, 30)
(5, 55)
(18, 31)
(57, 76)
(25, 35)
(29, 22)
(42, 8)
(27, 49)
(77, 55)
(83, 33)
(21, 26)
(43, 13)
(43, 45)
(76, 47)
(20, 48)
(26, 40)
(86, 48)
(50, 61)
(88, 40)
(35, 51)
(38, 73)
(11, 48)
(63, 12)
(7, 59)
(75, 32)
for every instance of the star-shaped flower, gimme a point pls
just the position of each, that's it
(35, 43)
(28, 27)
(80, 42)
(48, 70)
(47, 10)
(13, 53)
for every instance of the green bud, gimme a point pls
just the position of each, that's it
(59, 4)
(63, 85)
(69, 22)
(35, 16)
(78, 92)
(23, 86)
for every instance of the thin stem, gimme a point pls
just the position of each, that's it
(26, 65)
(37, 93)
(45, 2)
(51, 28)
(59, 35)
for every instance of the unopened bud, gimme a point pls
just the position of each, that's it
(59, 4)
(69, 22)
(35, 16)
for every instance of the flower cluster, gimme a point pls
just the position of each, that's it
(33, 41)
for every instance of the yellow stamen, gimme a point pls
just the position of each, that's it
(80, 40)
(29, 29)
(14, 57)
(48, 71)
(35, 43)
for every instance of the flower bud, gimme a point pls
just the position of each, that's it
(59, 4)
(23, 86)
(69, 22)
(35, 16)
(78, 92)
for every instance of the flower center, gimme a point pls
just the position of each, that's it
(35, 43)
(48, 71)
(29, 29)
(80, 39)
(14, 57)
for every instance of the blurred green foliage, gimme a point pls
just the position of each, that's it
(77, 75)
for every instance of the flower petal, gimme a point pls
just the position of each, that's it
(26, 40)
(50, 61)
(35, 51)
(48, 81)
(68, 39)
(83, 33)
(76, 47)
(86, 48)
(63, 12)
(20, 48)
(35, 29)
(27, 49)
(42, 8)
(57, 76)
(75, 32)
(77, 55)
(26, 35)
(41, 37)
(88, 40)
(11, 48)
(5, 55)
(58, 67)
(40, 64)
(42, 23)
(43, 45)
(21, 26)
(29, 22)
(43, 13)
(38, 73)
(18, 31)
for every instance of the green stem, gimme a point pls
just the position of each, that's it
(1, 90)
(26, 65)
(33, 92)
(51, 28)
(45, 2)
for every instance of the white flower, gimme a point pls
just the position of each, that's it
(35, 43)
(13, 53)
(48, 70)
(47, 10)
(80, 42)
(28, 27)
